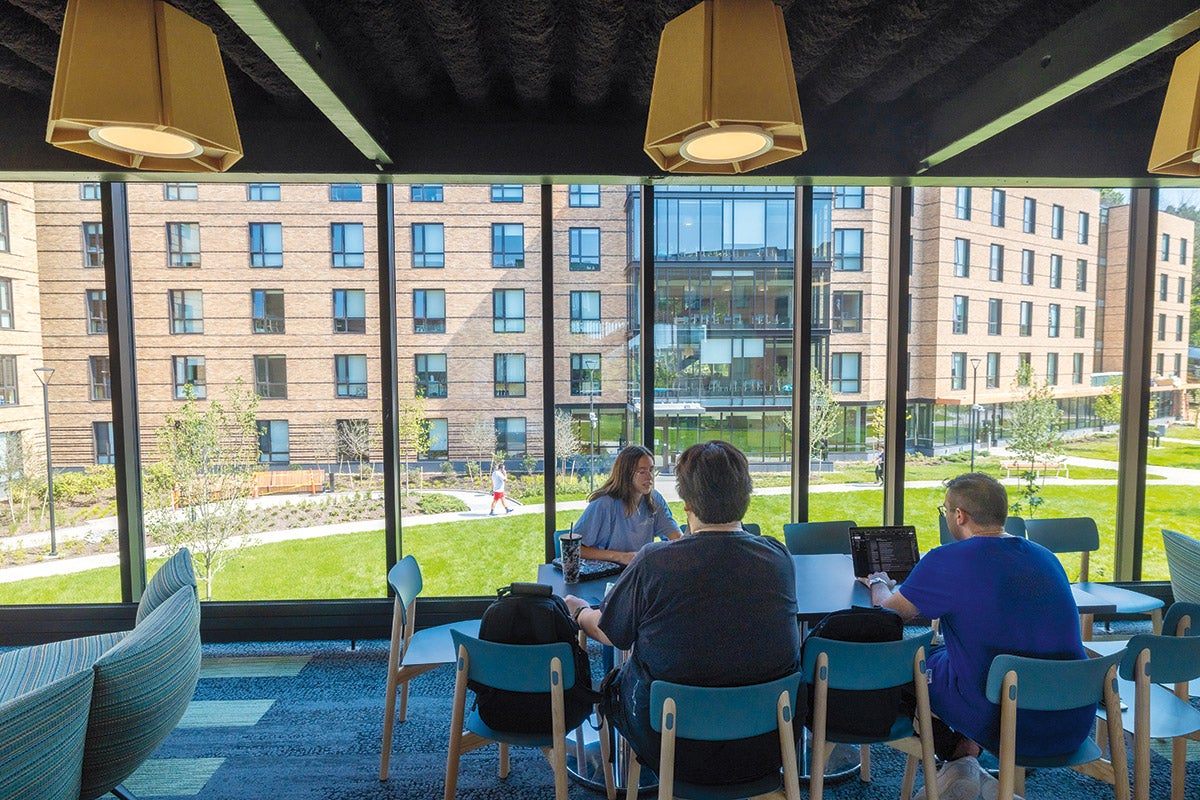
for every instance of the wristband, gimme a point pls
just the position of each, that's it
(576, 613)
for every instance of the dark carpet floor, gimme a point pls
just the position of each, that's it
(303, 720)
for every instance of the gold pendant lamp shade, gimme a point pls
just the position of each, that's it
(1176, 149)
(140, 84)
(724, 100)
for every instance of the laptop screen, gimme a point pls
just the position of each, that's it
(884, 548)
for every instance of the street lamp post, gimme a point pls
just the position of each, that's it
(592, 441)
(43, 375)
(974, 407)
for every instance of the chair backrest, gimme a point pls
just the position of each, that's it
(1173, 659)
(175, 573)
(41, 738)
(814, 538)
(1177, 613)
(405, 579)
(1064, 534)
(558, 542)
(143, 686)
(723, 713)
(1183, 562)
(515, 667)
(1013, 525)
(1045, 684)
(863, 666)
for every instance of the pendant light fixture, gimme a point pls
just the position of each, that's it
(140, 84)
(1176, 149)
(724, 99)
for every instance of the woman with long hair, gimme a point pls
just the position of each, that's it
(626, 512)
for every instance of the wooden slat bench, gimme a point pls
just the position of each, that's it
(278, 481)
(1055, 467)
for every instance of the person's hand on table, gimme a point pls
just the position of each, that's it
(877, 577)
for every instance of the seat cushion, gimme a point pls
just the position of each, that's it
(172, 576)
(28, 668)
(143, 686)
(41, 738)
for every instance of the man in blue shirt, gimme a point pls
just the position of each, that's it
(994, 593)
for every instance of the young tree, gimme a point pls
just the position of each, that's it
(480, 438)
(413, 430)
(824, 417)
(207, 458)
(1034, 424)
(1108, 405)
(566, 439)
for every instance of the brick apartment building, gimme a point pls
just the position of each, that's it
(276, 285)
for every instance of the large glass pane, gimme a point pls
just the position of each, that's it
(470, 334)
(54, 347)
(1174, 444)
(1018, 394)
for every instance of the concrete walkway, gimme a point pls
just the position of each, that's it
(479, 504)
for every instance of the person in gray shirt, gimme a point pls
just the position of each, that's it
(714, 608)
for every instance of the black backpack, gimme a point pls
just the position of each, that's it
(859, 713)
(528, 613)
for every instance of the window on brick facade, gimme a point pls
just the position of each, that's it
(509, 374)
(346, 244)
(430, 370)
(187, 310)
(189, 371)
(270, 377)
(585, 373)
(349, 311)
(93, 244)
(508, 310)
(99, 378)
(508, 244)
(263, 191)
(429, 311)
(273, 446)
(429, 244)
(266, 244)
(510, 435)
(96, 302)
(583, 195)
(350, 376)
(584, 246)
(183, 244)
(267, 311)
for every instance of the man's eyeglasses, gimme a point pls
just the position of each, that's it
(642, 473)
(945, 509)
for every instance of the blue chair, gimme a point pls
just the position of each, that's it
(864, 666)
(1012, 525)
(1149, 664)
(516, 668)
(41, 738)
(412, 652)
(1183, 563)
(1182, 619)
(809, 538)
(1079, 535)
(716, 714)
(1017, 682)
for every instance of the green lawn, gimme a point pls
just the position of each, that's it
(1168, 454)
(472, 559)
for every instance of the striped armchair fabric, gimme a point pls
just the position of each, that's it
(143, 686)
(1183, 562)
(172, 576)
(27, 668)
(41, 738)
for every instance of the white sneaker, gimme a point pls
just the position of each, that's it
(989, 787)
(957, 780)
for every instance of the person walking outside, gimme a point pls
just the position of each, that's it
(499, 481)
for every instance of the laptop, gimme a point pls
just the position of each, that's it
(591, 569)
(884, 548)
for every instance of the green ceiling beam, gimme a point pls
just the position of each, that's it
(1097, 43)
(291, 39)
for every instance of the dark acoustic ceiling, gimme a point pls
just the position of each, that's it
(894, 90)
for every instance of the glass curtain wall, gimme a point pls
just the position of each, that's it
(1173, 458)
(51, 279)
(1016, 341)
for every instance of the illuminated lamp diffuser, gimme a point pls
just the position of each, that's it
(140, 84)
(1176, 147)
(724, 100)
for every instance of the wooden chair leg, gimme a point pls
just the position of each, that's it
(454, 749)
(910, 778)
(1178, 767)
(404, 702)
(864, 762)
(632, 777)
(1086, 623)
(503, 760)
(610, 781)
(1019, 781)
(1156, 621)
(389, 720)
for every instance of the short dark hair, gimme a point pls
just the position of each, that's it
(713, 478)
(983, 497)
